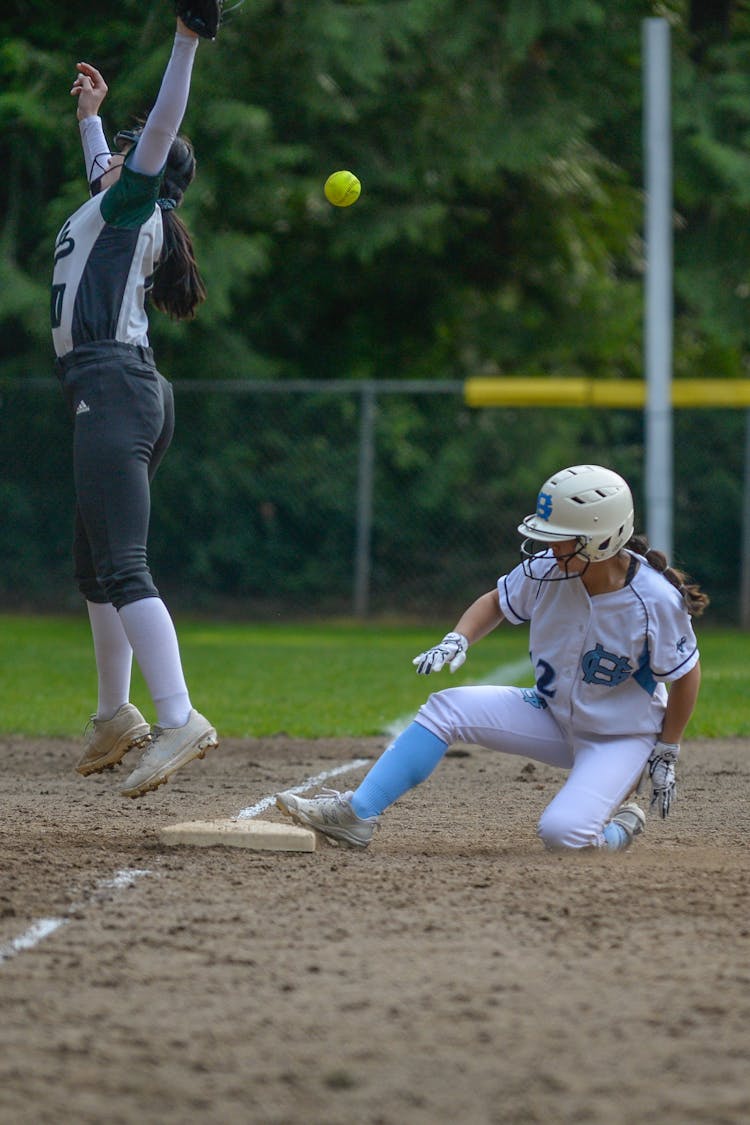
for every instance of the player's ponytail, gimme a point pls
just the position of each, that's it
(178, 287)
(695, 600)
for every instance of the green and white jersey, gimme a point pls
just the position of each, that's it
(105, 257)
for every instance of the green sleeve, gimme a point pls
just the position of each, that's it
(130, 202)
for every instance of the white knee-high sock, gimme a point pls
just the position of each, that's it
(151, 633)
(114, 658)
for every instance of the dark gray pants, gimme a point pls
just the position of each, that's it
(123, 415)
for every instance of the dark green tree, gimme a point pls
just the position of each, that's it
(499, 232)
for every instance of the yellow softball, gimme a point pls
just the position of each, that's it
(342, 189)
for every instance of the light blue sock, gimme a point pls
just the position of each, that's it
(615, 836)
(406, 762)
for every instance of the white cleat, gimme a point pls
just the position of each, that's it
(331, 814)
(632, 818)
(169, 750)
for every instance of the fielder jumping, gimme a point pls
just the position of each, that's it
(610, 627)
(121, 250)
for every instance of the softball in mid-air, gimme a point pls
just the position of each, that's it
(342, 189)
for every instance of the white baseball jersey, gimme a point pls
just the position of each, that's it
(601, 662)
(105, 256)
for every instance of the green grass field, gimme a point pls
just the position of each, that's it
(308, 680)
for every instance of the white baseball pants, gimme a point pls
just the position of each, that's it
(603, 769)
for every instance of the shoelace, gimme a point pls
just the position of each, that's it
(90, 729)
(344, 800)
(152, 740)
(330, 794)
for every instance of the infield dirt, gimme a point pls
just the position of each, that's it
(453, 972)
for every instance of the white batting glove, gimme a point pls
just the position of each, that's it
(661, 770)
(450, 651)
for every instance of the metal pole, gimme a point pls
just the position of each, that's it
(745, 532)
(659, 311)
(362, 562)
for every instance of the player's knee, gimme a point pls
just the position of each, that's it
(92, 590)
(122, 588)
(557, 830)
(437, 714)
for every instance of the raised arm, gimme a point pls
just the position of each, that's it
(164, 120)
(90, 89)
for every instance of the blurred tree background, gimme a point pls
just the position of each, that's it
(499, 144)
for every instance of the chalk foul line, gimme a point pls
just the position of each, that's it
(509, 673)
(505, 673)
(267, 802)
(45, 927)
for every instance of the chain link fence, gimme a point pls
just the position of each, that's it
(343, 497)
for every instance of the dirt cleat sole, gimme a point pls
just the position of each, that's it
(170, 749)
(331, 814)
(111, 739)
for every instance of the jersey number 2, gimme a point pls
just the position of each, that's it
(544, 679)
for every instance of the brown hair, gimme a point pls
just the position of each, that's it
(178, 287)
(695, 599)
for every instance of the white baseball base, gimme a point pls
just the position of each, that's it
(259, 835)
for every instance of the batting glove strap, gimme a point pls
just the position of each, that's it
(670, 750)
(661, 770)
(451, 651)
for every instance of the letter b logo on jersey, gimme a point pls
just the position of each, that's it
(601, 667)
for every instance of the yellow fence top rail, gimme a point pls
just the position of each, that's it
(544, 390)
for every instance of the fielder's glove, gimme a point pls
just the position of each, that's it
(662, 774)
(201, 16)
(450, 651)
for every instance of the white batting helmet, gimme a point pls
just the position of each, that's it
(588, 503)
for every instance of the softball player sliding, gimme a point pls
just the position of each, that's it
(610, 626)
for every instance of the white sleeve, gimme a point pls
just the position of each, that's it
(672, 642)
(515, 593)
(164, 120)
(96, 151)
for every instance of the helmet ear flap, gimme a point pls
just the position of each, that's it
(599, 549)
